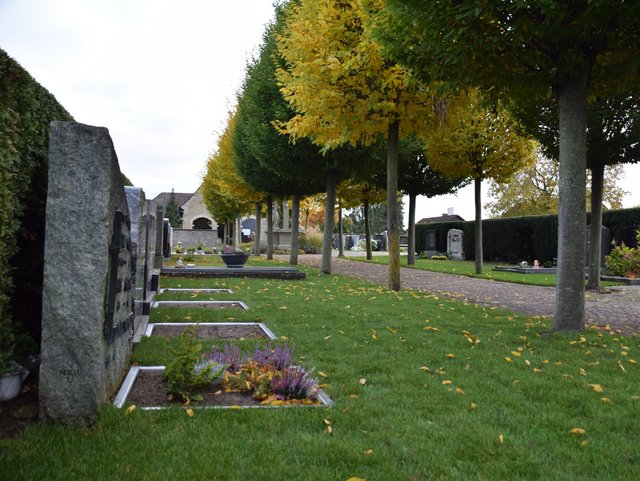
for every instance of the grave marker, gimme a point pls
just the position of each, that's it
(87, 315)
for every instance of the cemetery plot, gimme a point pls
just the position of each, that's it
(218, 330)
(145, 388)
(202, 304)
(181, 290)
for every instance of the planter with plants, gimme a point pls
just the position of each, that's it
(226, 377)
(12, 374)
(234, 258)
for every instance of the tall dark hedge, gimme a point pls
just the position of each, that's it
(26, 109)
(515, 239)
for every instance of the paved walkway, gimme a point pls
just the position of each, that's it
(620, 308)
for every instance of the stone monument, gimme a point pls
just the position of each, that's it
(454, 244)
(87, 318)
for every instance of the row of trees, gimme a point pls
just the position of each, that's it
(423, 96)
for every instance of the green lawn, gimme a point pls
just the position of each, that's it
(424, 388)
(467, 268)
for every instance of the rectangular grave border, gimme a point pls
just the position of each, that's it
(203, 304)
(265, 329)
(127, 385)
(193, 290)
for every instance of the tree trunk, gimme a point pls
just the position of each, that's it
(340, 234)
(295, 229)
(367, 229)
(411, 255)
(332, 182)
(269, 227)
(256, 246)
(392, 205)
(572, 107)
(238, 230)
(597, 181)
(477, 183)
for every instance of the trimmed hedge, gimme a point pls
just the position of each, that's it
(514, 239)
(26, 110)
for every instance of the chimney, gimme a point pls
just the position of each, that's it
(450, 211)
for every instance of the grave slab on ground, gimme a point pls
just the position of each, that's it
(246, 272)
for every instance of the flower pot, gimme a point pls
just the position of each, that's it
(11, 382)
(234, 260)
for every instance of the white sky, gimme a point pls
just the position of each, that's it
(161, 76)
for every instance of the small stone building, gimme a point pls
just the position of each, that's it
(198, 225)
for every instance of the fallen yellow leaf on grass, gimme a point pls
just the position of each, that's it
(447, 382)
(432, 329)
(596, 387)
(321, 374)
(508, 359)
(451, 355)
(190, 412)
(131, 408)
(501, 438)
(605, 399)
(578, 431)
(516, 353)
(327, 422)
(425, 368)
(363, 381)
(473, 406)
(329, 430)
(584, 443)
(368, 452)
(356, 479)
(459, 391)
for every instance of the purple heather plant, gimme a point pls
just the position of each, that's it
(230, 356)
(294, 383)
(280, 356)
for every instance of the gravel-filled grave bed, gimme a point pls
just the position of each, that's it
(218, 330)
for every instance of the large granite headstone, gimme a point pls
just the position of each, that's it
(135, 200)
(87, 318)
(159, 256)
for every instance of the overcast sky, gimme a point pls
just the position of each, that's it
(161, 76)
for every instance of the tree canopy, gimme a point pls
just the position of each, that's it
(345, 91)
(522, 47)
(480, 143)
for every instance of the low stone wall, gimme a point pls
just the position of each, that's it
(191, 238)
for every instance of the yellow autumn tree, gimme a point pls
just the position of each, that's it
(346, 91)
(225, 193)
(480, 142)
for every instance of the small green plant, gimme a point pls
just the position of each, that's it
(186, 373)
(179, 248)
(247, 247)
(7, 345)
(547, 264)
(624, 261)
(189, 257)
(191, 250)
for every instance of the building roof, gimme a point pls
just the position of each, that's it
(442, 218)
(163, 198)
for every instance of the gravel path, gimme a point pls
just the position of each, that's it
(619, 308)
